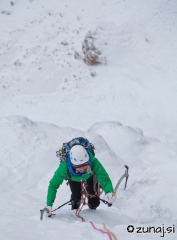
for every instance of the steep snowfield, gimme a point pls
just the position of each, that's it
(126, 107)
(28, 162)
(40, 77)
(153, 166)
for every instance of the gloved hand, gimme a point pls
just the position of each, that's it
(111, 197)
(49, 211)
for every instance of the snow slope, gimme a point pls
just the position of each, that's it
(39, 73)
(126, 107)
(28, 162)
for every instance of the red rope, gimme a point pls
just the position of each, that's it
(104, 232)
(78, 211)
(82, 202)
(77, 215)
(84, 193)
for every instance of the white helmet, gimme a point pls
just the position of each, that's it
(79, 156)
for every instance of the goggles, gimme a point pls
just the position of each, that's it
(79, 166)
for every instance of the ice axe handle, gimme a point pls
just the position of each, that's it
(126, 176)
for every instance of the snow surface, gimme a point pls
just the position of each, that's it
(127, 107)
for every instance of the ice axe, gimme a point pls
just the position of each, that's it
(42, 211)
(126, 175)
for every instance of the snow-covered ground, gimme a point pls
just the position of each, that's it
(126, 106)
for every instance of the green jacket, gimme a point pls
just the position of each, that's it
(62, 173)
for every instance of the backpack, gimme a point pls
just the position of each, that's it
(65, 150)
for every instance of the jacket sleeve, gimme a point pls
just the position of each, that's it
(55, 182)
(102, 176)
